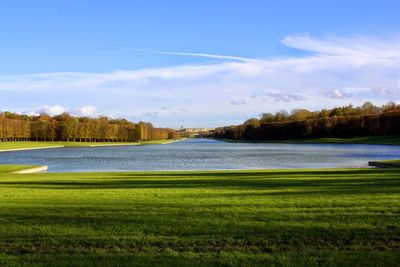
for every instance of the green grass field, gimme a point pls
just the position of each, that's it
(397, 161)
(23, 145)
(228, 218)
(13, 168)
(372, 140)
(385, 163)
(157, 142)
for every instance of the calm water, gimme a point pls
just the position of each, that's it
(202, 154)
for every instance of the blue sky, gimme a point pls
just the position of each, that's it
(230, 60)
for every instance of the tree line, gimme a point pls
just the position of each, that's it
(65, 127)
(346, 121)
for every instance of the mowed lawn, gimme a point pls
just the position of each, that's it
(368, 140)
(31, 144)
(228, 218)
(13, 168)
(372, 140)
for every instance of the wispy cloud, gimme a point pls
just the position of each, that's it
(189, 54)
(337, 94)
(335, 71)
(238, 102)
(279, 97)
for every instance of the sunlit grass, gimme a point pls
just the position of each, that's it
(13, 168)
(373, 140)
(230, 218)
(24, 145)
(156, 142)
(391, 161)
(384, 140)
(386, 163)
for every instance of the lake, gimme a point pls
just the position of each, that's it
(202, 154)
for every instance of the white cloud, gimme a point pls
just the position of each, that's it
(337, 94)
(336, 71)
(353, 47)
(87, 111)
(50, 110)
(279, 97)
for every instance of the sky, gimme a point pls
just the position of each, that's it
(196, 63)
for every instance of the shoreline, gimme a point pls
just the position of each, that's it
(131, 144)
(82, 144)
(169, 142)
(367, 166)
(384, 163)
(393, 140)
(30, 148)
(370, 165)
(32, 170)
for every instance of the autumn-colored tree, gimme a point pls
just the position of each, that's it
(65, 127)
(346, 121)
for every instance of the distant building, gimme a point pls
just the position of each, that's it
(196, 130)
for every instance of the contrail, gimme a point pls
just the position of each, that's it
(187, 54)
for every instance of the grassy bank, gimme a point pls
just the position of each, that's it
(372, 140)
(228, 218)
(396, 161)
(385, 163)
(157, 142)
(30, 145)
(14, 168)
